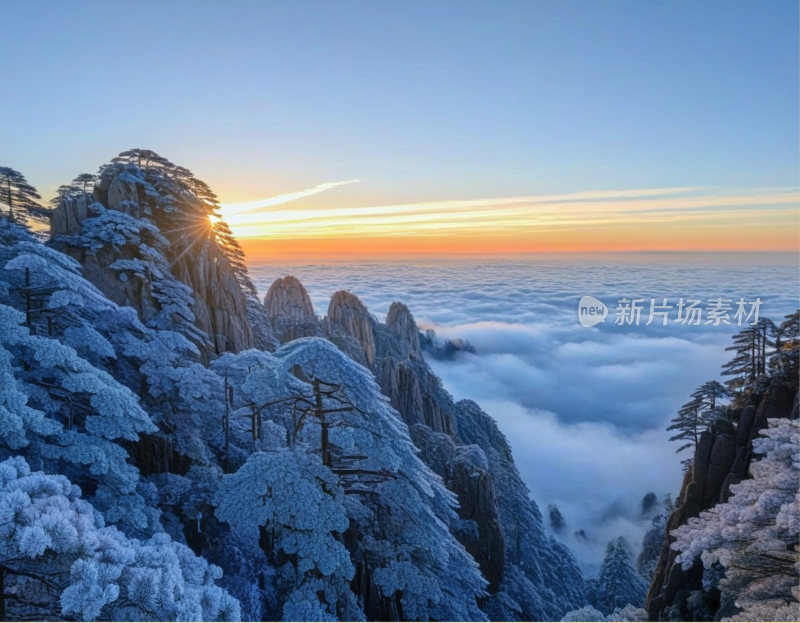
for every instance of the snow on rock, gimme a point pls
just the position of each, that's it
(191, 256)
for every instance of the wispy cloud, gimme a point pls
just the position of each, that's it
(249, 207)
(514, 215)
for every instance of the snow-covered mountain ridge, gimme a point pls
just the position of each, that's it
(174, 448)
(326, 472)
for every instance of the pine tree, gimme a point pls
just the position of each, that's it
(21, 197)
(698, 414)
(297, 507)
(557, 522)
(689, 422)
(651, 546)
(711, 393)
(57, 558)
(85, 181)
(755, 534)
(617, 584)
(80, 186)
(62, 192)
(649, 502)
(787, 347)
(587, 613)
(752, 348)
(235, 255)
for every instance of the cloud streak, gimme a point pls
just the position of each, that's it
(232, 210)
(689, 206)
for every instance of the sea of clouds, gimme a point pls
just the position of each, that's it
(585, 409)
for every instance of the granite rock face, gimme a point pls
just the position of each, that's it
(220, 307)
(68, 216)
(722, 458)
(258, 317)
(399, 382)
(402, 325)
(219, 304)
(290, 310)
(469, 478)
(347, 315)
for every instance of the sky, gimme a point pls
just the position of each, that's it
(418, 127)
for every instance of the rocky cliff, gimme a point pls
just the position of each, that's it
(349, 326)
(722, 458)
(501, 527)
(193, 255)
(144, 237)
(290, 310)
(401, 324)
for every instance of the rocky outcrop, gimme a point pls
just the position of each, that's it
(469, 478)
(347, 315)
(135, 293)
(290, 310)
(500, 526)
(68, 216)
(722, 458)
(218, 305)
(402, 325)
(400, 384)
(258, 317)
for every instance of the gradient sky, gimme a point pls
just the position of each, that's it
(458, 126)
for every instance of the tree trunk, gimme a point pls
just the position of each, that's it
(28, 298)
(226, 425)
(10, 201)
(320, 413)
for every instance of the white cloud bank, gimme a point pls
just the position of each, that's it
(585, 410)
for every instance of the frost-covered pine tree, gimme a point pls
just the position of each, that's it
(652, 543)
(587, 613)
(57, 558)
(293, 505)
(755, 534)
(617, 583)
(68, 415)
(787, 347)
(398, 508)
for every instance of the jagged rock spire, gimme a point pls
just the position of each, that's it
(347, 313)
(401, 323)
(290, 310)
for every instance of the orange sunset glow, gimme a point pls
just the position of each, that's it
(662, 219)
